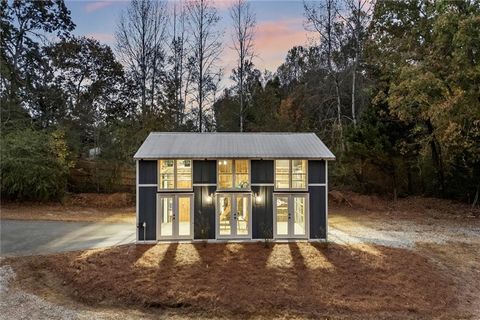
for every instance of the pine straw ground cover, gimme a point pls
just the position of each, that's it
(240, 280)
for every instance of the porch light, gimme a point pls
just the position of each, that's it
(258, 197)
(210, 197)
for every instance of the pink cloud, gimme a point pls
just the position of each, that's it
(272, 41)
(97, 5)
(274, 38)
(102, 37)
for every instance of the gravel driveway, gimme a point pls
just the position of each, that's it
(346, 229)
(20, 237)
(17, 305)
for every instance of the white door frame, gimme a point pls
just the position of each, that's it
(291, 212)
(233, 226)
(175, 197)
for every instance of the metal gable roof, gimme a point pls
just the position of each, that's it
(168, 145)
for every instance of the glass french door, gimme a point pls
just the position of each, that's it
(290, 216)
(174, 216)
(233, 215)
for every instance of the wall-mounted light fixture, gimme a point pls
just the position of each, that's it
(210, 197)
(258, 197)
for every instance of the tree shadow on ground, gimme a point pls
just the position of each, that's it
(248, 279)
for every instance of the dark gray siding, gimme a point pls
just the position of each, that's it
(204, 171)
(147, 209)
(262, 171)
(262, 212)
(318, 225)
(147, 171)
(316, 171)
(203, 212)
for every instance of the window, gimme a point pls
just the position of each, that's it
(299, 174)
(282, 174)
(225, 174)
(291, 174)
(167, 174)
(241, 174)
(184, 174)
(175, 174)
(234, 212)
(290, 215)
(233, 174)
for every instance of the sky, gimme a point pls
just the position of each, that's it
(280, 26)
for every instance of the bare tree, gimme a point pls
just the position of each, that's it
(356, 18)
(140, 37)
(160, 19)
(322, 17)
(243, 33)
(205, 49)
(177, 60)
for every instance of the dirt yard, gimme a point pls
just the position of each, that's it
(419, 259)
(86, 207)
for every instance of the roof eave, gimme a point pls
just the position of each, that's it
(230, 157)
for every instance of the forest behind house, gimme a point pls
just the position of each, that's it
(392, 87)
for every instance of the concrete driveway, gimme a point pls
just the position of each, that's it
(21, 237)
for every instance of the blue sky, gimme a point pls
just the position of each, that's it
(279, 27)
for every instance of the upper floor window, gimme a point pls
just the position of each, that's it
(233, 174)
(291, 174)
(175, 174)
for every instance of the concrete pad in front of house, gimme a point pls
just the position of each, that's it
(22, 237)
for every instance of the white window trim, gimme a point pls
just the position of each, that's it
(289, 176)
(219, 189)
(159, 187)
(232, 196)
(307, 215)
(175, 197)
(137, 189)
(326, 200)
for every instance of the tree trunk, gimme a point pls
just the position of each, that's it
(354, 76)
(154, 65)
(475, 201)
(143, 70)
(437, 158)
(241, 99)
(339, 113)
(395, 187)
(200, 73)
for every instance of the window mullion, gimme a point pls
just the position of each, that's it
(290, 174)
(233, 173)
(175, 174)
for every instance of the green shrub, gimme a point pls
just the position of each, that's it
(34, 165)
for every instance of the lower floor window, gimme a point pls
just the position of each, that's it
(233, 214)
(174, 216)
(290, 215)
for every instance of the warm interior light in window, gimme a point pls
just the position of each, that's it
(258, 198)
